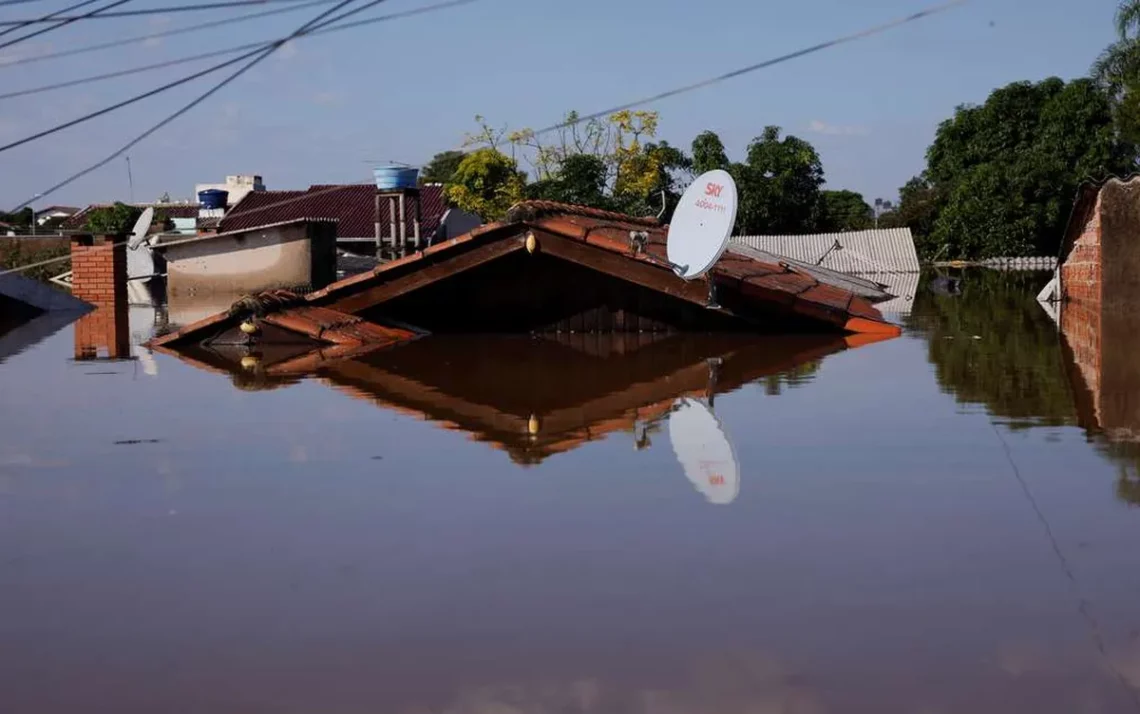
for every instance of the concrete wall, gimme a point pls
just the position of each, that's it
(296, 256)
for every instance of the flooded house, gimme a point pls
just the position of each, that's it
(548, 268)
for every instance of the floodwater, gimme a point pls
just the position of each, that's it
(943, 522)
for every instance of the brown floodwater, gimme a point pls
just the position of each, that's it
(943, 522)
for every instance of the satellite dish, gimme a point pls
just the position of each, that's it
(704, 451)
(140, 263)
(702, 224)
(142, 225)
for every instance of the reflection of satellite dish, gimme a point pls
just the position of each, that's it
(704, 451)
(702, 224)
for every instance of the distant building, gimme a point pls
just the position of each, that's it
(54, 212)
(353, 207)
(236, 186)
(171, 210)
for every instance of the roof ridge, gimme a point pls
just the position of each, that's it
(531, 210)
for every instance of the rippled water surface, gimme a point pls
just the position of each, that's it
(943, 522)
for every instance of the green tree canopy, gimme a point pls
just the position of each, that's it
(779, 185)
(487, 183)
(442, 167)
(1003, 174)
(708, 153)
(845, 211)
(23, 217)
(112, 220)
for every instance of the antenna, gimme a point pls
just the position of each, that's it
(130, 179)
(702, 224)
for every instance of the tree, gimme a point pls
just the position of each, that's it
(633, 170)
(487, 183)
(1004, 174)
(779, 185)
(580, 179)
(1117, 71)
(845, 211)
(112, 220)
(708, 153)
(917, 209)
(442, 167)
(23, 217)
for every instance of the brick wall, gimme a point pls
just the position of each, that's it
(1081, 268)
(99, 276)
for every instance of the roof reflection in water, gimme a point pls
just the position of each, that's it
(533, 397)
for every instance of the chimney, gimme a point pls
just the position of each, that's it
(99, 276)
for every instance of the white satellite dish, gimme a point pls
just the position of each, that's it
(702, 224)
(140, 263)
(705, 453)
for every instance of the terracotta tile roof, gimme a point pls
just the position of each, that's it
(353, 206)
(758, 290)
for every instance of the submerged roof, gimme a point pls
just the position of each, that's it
(888, 250)
(752, 294)
(353, 206)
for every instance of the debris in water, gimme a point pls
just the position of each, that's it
(138, 441)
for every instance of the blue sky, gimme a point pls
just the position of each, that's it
(320, 109)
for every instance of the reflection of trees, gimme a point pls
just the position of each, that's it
(797, 376)
(993, 345)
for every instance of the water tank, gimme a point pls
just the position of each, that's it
(394, 178)
(213, 198)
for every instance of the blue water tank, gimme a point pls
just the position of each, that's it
(394, 178)
(213, 198)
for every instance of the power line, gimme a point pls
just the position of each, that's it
(226, 51)
(878, 29)
(147, 11)
(69, 8)
(316, 23)
(165, 33)
(209, 70)
(56, 26)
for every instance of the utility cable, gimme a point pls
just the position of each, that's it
(228, 50)
(165, 33)
(183, 80)
(307, 27)
(50, 15)
(147, 11)
(1082, 603)
(59, 24)
(878, 29)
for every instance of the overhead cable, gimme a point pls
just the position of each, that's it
(83, 49)
(229, 50)
(198, 7)
(878, 29)
(58, 23)
(316, 23)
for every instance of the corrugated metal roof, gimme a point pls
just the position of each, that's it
(859, 252)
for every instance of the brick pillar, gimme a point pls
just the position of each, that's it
(1081, 268)
(99, 276)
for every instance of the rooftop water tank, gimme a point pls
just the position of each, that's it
(213, 198)
(394, 177)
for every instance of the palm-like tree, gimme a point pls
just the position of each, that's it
(1121, 60)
